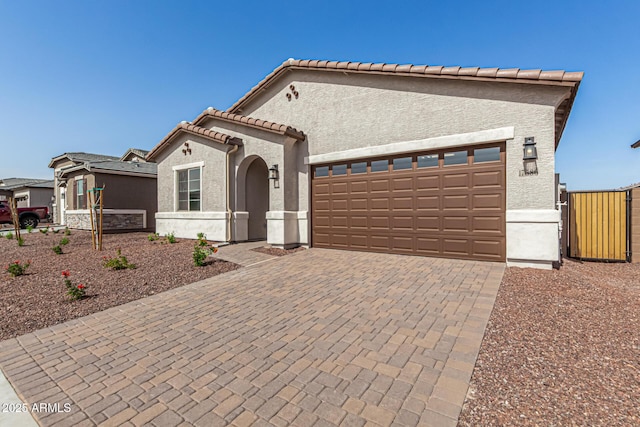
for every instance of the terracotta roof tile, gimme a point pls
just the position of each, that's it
(571, 79)
(209, 134)
(249, 121)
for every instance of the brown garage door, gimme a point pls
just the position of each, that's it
(443, 203)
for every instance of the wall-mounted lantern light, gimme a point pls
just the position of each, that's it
(273, 172)
(530, 152)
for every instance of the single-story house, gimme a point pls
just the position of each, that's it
(28, 191)
(129, 190)
(408, 159)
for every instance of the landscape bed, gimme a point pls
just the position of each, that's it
(38, 298)
(562, 347)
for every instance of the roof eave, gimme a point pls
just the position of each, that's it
(636, 145)
(184, 128)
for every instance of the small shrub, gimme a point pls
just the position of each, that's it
(17, 269)
(64, 241)
(120, 262)
(29, 228)
(57, 249)
(153, 237)
(75, 292)
(20, 241)
(9, 235)
(56, 231)
(67, 232)
(171, 238)
(44, 230)
(201, 250)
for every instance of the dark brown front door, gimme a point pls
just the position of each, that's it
(448, 203)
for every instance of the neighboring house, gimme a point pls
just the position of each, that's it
(27, 191)
(129, 195)
(424, 160)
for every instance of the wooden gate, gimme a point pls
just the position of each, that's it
(599, 225)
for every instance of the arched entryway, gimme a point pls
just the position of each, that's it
(256, 194)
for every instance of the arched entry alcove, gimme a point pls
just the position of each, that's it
(256, 193)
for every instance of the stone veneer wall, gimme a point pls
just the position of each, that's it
(111, 221)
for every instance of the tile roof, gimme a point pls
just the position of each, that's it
(635, 144)
(185, 127)
(248, 121)
(516, 75)
(81, 157)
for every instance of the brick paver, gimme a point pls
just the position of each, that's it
(319, 337)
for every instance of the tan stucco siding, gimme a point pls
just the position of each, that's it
(635, 225)
(355, 111)
(129, 192)
(213, 180)
(60, 164)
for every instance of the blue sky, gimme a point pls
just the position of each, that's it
(105, 76)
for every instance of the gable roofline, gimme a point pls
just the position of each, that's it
(189, 128)
(137, 151)
(510, 75)
(249, 122)
(79, 157)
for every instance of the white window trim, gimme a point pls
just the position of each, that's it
(176, 196)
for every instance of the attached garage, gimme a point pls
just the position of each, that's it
(448, 203)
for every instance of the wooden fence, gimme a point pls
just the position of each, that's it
(599, 225)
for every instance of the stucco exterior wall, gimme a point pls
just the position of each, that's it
(56, 188)
(130, 192)
(213, 180)
(34, 197)
(354, 111)
(635, 225)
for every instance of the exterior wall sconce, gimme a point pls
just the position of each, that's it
(530, 152)
(273, 172)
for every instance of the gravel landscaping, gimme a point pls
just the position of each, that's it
(277, 251)
(38, 299)
(562, 348)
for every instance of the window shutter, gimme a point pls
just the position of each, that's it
(84, 196)
(74, 197)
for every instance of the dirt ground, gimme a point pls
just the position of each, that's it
(38, 298)
(562, 348)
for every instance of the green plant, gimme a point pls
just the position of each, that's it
(64, 241)
(29, 228)
(57, 249)
(17, 269)
(171, 238)
(153, 237)
(9, 235)
(67, 232)
(44, 230)
(120, 262)
(20, 241)
(56, 231)
(201, 250)
(75, 292)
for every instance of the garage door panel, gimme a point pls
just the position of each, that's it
(359, 222)
(441, 210)
(359, 187)
(487, 179)
(402, 184)
(488, 202)
(379, 185)
(427, 224)
(455, 181)
(380, 204)
(379, 223)
(488, 224)
(402, 203)
(457, 202)
(402, 223)
(456, 224)
(339, 188)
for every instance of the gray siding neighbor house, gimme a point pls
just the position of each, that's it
(421, 160)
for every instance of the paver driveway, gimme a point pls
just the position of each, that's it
(320, 337)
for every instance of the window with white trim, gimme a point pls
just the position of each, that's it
(189, 189)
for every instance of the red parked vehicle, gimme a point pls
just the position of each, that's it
(27, 216)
